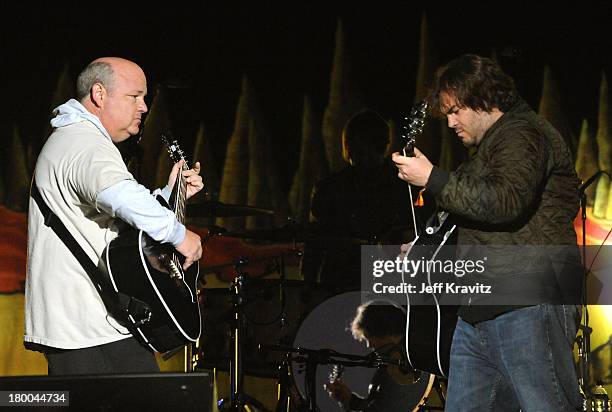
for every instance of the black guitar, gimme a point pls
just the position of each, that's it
(430, 325)
(334, 375)
(391, 388)
(151, 274)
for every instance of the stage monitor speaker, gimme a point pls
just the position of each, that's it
(138, 392)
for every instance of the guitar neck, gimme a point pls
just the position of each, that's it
(409, 148)
(181, 195)
(412, 126)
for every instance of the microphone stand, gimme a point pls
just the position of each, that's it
(312, 358)
(238, 399)
(584, 348)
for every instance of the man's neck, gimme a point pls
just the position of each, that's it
(494, 116)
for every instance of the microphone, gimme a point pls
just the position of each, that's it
(589, 181)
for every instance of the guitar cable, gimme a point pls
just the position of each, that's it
(407, 324)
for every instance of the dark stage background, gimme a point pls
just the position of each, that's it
(200, 53)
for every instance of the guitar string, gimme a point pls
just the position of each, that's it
(180, 205)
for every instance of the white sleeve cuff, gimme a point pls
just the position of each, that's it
(165, 192)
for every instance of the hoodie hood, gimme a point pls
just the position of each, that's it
(73, 112)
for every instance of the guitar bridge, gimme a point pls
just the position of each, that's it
(175, 272)
(170, 264)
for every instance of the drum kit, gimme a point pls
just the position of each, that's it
(292, 331)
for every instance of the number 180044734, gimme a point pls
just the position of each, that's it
(30, 398)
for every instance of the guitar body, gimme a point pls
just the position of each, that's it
(431, 324)
(132, 263)
(429, 343)
(392, 389)
(159, 298)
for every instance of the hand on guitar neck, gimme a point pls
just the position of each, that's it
(413, 166)
(193, 180)
(337, 389)
(414, 170)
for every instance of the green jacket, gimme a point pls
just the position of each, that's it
(519, 188)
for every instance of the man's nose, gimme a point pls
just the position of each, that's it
(452, 122)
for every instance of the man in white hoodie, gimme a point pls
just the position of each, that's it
(82, 178)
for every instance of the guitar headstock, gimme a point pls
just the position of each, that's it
(175, 151)
(336, 373)
(412, 125)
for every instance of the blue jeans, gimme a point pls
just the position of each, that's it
(522, 359)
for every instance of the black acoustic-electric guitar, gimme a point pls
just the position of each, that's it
(430, 325)
(151, 273)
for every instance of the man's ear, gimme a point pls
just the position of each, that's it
(98, 94)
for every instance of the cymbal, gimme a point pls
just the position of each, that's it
(213, 208)
(272, 234)
(297, 233)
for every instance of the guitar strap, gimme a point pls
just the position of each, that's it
(127, 310)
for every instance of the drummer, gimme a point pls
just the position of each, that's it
(364, 203)
(381, 325)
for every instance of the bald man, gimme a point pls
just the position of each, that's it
(82, 178)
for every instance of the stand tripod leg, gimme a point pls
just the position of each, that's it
(439, 391)
(441, 396)
(238, 399)
(284, 389)
(188, 358)
(235, 366)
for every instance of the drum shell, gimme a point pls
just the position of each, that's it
(327, 326)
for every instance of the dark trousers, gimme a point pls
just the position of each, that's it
(121, 357)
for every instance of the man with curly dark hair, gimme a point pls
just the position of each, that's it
(516, 198)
